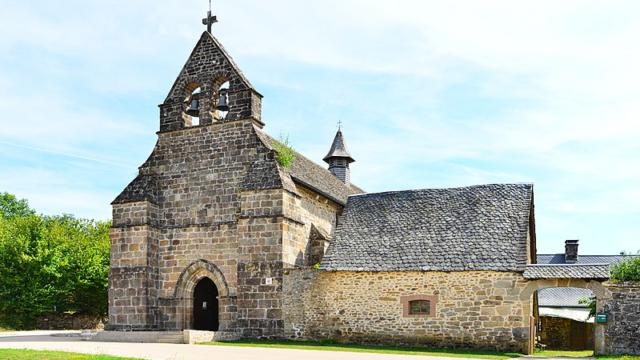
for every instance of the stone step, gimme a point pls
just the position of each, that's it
(172, 338)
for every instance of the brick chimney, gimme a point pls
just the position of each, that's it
(570, 251)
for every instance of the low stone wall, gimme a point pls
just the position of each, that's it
(70, 322)
(474, 309)
(622, 333)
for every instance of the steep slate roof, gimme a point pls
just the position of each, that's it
(143, 187)
(583, 259)
(311, 175)
(338, 149)
(567, 271)
(563, 297)
(481, 227)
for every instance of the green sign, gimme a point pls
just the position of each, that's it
(601, 318)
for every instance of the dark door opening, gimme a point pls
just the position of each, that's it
(205, 305)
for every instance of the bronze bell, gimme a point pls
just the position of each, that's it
(194, 109)
(223, 100)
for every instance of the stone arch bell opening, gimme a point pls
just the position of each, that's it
(205, 305)
(192, 103)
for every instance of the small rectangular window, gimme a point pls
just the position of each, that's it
(419, 307)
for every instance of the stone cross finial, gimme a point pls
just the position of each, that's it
(210, 19)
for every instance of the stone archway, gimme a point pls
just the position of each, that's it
(597, 288)
(185, 289)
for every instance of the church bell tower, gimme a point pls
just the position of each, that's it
(209, 89)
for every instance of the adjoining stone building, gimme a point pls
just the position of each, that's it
(215, 234)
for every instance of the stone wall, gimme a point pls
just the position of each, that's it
(475, 309)
(313, 217)
(70, 322)
(622, 332)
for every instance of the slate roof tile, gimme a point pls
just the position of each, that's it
(567, 271)
(583, 259)
(471, 228)
(143, 187)
(563, 297)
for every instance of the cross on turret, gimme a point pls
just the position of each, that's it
(210, 19)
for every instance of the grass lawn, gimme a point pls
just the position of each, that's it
(4, 329)
(562, 353)
(333, 346)
(582, 354)
(21, 354)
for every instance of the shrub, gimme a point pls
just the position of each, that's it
(285, 155)
(628, 270)
(590, 302)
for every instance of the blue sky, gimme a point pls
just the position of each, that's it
(430, 94)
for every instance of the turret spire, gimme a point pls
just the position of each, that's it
(339, 158)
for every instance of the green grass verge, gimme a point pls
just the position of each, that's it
(563, 353)
(333, 346)
(21, 354)
(582, 354)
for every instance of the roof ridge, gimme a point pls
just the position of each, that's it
(296, 152)
(573, 264)
(311, 174)
(443, 188)
(591, 255)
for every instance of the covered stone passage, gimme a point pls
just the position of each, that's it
(565, 319)
(566, 276)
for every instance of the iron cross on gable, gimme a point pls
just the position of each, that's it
(210, 19)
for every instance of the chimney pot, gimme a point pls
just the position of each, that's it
(570, 251)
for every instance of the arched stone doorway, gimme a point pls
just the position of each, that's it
(205, 305)
(201, 277)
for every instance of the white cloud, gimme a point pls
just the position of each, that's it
(564, 75)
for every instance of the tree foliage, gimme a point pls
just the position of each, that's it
(50, 263)
(11, 207)
(628, 270)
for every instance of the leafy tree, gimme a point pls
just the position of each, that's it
(51, 263)
(11, 207)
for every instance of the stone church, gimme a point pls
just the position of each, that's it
(215, 234)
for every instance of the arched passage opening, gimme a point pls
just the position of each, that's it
(565, 318)
(205, 305)
(531, 293)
